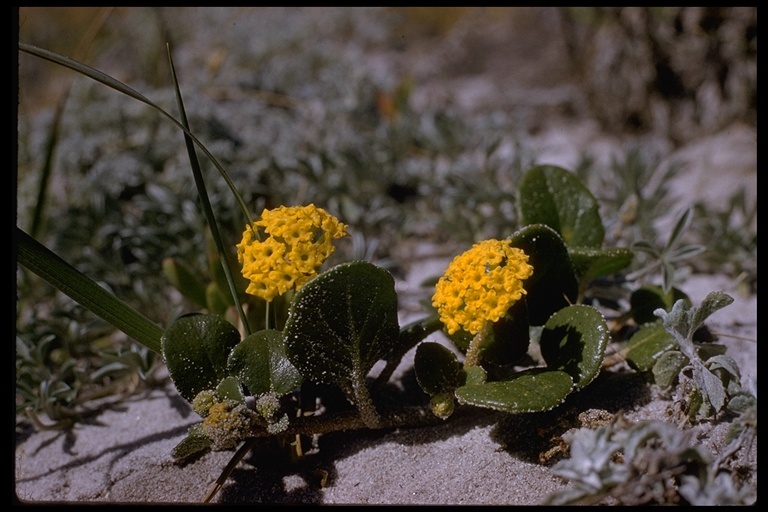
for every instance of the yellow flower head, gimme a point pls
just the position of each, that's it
(480, 285)
(298, 239)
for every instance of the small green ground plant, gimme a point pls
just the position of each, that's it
(282, 345)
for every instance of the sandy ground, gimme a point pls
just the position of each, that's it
(122, 455)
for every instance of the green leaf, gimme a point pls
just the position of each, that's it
(216, 300)
(437, 368)
(342, 322)
(180, 275)
(553, 196)
(574, 340)
(532, 390)
(647, 345)
(195, 348)
(680, 226)
(726, 363)
(685, 252)
(229, 388)
(261, 363)
(644, 301)
(668, 367)
(646, 247)
(713, 389)
(711, 303)
(553, 284)
(589, 263)
(740, 403)
(194, 444)
(509, 338)
(473, 375)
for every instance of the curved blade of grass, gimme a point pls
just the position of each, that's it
(107, 80)
(204, 199)
(43, 262)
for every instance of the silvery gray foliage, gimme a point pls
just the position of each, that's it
(721, 490)
(682, 322)
(650, 462)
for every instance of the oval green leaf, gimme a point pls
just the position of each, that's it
(342, 322)
(574, 340)
(195, 349)
(554, 196)
(553, 284)
(509, 338)
(668, 367)
(647, 299)
(437, 368)
(260, 362)
(647, 345)
(230, 388)
(194, 444)
(532, 390)
(590, 263)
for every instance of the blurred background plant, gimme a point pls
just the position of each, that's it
(305, 112)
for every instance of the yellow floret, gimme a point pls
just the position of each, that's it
(480, 285)
(298, 239)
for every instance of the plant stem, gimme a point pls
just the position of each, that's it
(405, 416)
(473, 352)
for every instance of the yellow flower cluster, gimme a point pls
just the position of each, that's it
(298, 240)
(480, 285)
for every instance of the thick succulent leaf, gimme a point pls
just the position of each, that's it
(553, 284)
(342, 322)
(647, 345)
(532, 390)
(554, 196)
(437, 368)
(195, 348)
(574, 340)
(590, 263)
(260, 362)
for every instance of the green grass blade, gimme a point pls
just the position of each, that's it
(43, 262)
(205, 200)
